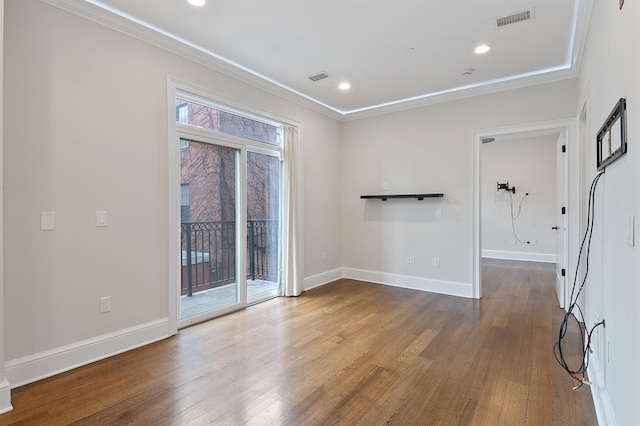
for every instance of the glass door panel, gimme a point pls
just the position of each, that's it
(210, 284)
(263, 226)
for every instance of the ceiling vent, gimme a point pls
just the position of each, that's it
(319, 76)
(516, 17)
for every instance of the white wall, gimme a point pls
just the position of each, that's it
(610, 70)
(527, 164)
(86, 130)
(427, 149)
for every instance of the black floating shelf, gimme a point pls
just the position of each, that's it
(386, 197)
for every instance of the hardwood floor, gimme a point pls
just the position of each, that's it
(346, 353)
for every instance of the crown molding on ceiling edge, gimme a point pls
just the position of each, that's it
(455, 95)
(583, 18)
(108, 19)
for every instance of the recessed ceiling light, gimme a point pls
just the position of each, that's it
(482, 49)
(197, 2)
(344, 86)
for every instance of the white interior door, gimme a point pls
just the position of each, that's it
(561, 222)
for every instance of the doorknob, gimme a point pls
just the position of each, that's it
(556, 228)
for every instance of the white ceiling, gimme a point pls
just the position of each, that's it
(277, 44)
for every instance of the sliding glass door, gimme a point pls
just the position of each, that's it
(230, 208)
(211, 282)
(263, 226)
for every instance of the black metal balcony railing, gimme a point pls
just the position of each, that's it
(209, 253)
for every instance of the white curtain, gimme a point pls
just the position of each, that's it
(291, 276)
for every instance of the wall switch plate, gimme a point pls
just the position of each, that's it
(411, 260)
(534, 242)
(101, 218)
(436, 262)
(438, 212)
(385, 186)
(513, 241)
(324, 255)
(47, 221)
(631, 230)
(534, 190)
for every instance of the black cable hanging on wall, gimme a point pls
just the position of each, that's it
(514, 218)
(578, 374)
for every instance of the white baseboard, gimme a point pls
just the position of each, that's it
(601, 402)
(519, 255)
(322, 279)
(5, 397)
(38, 366)
(415, 283)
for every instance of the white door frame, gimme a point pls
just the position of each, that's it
(195, 134)
(569, 127)
(562, 241)
(175, 86)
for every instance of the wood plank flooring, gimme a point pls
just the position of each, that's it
(347, 353)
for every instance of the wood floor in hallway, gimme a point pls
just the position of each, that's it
(346, 353)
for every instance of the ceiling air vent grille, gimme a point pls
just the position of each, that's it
(516, 17)
(319, 76)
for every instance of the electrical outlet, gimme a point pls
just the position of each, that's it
(534, 242)
(411, 260)
(513, 241)
(436, 262)
(385, 186)
(105, 304)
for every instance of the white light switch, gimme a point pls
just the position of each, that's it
(101, 218)
(631, 230)
(385, 186)
(47, 221)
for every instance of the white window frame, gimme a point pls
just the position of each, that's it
(176, 130)
(183, 114)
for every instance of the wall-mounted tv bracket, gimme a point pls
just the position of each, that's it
(611, 141)
(505, 186)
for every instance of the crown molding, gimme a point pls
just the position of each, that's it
(458, 93)
(201, 56)
(125, 26)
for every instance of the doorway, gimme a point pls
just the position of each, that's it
(559, 127)
(211, 279)
(230, 206)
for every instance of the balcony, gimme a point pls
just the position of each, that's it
(208, 274)
(211, 299)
